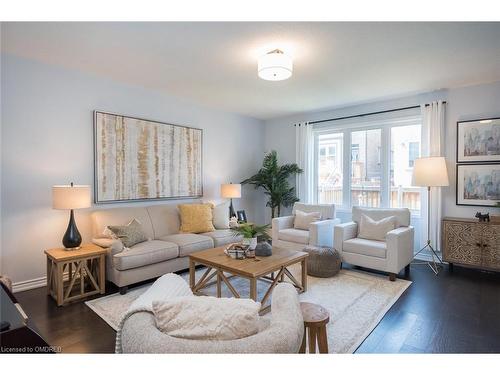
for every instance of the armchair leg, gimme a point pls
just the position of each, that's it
(123, 290)
(407, 270)
(392, 276)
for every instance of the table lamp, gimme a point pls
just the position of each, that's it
(429, 172)
(71, 197)
(230, 191)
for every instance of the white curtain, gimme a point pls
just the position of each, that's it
(304, 148)
(433, 125)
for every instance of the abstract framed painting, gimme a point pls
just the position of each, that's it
(478, 141)
(478, 184)
(137, 159)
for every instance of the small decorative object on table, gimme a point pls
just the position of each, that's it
(236, 251)
(250, 233)
(233, 222)
(483, 217)
(263, 249)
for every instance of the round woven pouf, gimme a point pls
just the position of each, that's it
(322, 261)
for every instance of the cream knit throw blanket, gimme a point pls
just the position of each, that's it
(167, 287)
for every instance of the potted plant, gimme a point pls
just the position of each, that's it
(250, 232)
(274, 179)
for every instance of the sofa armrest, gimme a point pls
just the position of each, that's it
(321, 232)
(399, 248)
(114, 245)
(344, 232)
(279, 223)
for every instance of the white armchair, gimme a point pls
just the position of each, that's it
(391, 255)
(320, 233)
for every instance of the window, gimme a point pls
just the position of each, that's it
(405, 148)
(369, 163)
(365, 168)
(413, 153)
(330, 175)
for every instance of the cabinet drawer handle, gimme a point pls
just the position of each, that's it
(478, 244)
(485, 245)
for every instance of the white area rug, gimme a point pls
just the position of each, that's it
(356, 300)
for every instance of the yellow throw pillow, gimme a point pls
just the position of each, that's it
(196, 218)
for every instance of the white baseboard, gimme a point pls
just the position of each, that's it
(21, 286)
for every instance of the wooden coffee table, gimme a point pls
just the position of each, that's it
(272, 269)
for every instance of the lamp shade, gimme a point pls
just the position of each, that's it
(230, 190)
(69, 197)
(430, 171)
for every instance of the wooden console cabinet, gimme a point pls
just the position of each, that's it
(471, 243)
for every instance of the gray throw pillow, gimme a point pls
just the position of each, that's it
(130, 234)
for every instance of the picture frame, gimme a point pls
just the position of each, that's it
(137, 159)
(478, 184)
(478, 141)
(242, 216)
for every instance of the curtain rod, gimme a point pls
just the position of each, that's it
(366, 114)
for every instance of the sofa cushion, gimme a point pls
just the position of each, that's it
(294, 235)
(377, 230)
(304, 219)
(196, 218)
(207, 318)
(121, 216)
(165, 219)
(361, 246)
(402, 214)
(130, 234)
(189, 243)
(327, 211)
(222, 237)
(145, 253)
(220, 214)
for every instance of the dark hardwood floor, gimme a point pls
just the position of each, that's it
(454, 312)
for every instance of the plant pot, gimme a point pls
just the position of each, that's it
(250, 242)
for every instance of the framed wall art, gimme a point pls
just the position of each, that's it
(138, 159)
(478, 141)
(478, 184)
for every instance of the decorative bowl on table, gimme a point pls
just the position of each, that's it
(236, 251)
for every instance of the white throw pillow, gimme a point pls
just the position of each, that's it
(220, 216)
(370, 229)
(304, 219)
(207, 318)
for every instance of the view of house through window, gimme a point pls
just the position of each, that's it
(365, 168)
(377, 178)
(330, 174)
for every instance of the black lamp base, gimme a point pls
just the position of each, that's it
(231, 210)
(72, 238)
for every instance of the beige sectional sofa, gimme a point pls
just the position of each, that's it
(166, 250)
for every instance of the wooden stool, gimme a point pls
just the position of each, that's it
(315, 320)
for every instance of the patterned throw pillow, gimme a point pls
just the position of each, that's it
(196, 218)
(130, 234)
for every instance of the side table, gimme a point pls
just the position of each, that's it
(316, 318)
(87, 265)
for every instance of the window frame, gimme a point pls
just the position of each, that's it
(346, 128)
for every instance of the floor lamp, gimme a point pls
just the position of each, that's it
(430, 172)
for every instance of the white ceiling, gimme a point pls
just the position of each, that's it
(214, 64)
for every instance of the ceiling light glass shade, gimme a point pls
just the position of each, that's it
(275, 66)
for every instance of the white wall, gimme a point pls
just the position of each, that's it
(47, 139)
(466, 103)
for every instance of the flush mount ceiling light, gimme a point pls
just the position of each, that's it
(275, 66)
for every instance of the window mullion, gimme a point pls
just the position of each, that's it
(346, 185)
(385, 161)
